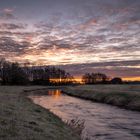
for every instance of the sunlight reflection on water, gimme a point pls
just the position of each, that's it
(54, 93)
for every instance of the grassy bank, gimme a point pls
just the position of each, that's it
(125, 96)
(20, 119)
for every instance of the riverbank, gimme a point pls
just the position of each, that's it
(124, 96)
(21, 119)
(97, 121)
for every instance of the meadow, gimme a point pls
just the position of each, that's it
(21, 119)
(125, 96)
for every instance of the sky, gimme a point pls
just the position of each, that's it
(77, 35)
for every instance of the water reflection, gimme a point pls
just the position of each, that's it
(102, 122)
(54, 93)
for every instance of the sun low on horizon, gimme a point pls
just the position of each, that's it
(77, 35)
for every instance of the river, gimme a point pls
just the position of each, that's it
(101, 121)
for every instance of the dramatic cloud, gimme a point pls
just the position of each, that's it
(81, 35)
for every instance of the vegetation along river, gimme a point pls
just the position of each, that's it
(101, 121)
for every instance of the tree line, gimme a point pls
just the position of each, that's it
(100, 78)
(12, 73)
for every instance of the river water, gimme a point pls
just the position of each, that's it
(102, 122)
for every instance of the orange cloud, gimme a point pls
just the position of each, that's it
(131, 78)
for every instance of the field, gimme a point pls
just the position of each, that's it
(20, 119)
(125, 96)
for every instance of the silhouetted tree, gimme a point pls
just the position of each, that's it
(17, 75)
(5, 71)
(40, 76)
(116, 80)
(94, 78)
(87, 78)
(12, 73)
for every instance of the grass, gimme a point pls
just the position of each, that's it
(20, 119)
(77, 125)
(125, 96)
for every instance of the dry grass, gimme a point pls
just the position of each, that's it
(77, 125)
(126, 96)
(20, 119)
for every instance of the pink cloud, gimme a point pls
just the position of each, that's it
(88, 23)
(8, 10)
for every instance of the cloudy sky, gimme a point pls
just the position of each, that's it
(78, 35)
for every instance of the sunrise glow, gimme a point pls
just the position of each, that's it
(93, 36)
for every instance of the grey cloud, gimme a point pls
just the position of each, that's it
(126, 48)
(11, 26)
(110, 68)
(8, 45)
(7, 14)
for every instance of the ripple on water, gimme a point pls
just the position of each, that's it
(102, 122)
